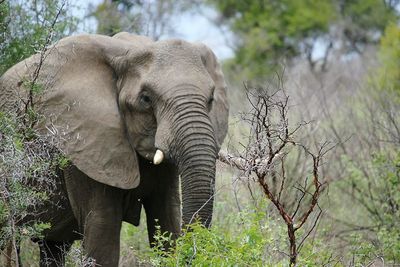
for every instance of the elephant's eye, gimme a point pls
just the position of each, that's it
(145, 100)
(210, 102)
(211, 99)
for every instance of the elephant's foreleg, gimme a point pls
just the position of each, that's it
(52, 253)
(98, 210)
(102, 237)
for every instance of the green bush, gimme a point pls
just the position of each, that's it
(389, 55)
(22, 164)
(27, 163)
(379, 194)
(241, 244)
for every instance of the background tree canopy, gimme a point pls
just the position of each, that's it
(151, 18)
(270, 32)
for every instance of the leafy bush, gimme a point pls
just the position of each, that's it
(25, 28)
(241, 245)
(378, 192)
(25, 168)
(389, 55)
(28, 164)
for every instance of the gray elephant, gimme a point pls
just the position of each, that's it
(142, 123)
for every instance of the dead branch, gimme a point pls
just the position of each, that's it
(264, 159)
(43, 54)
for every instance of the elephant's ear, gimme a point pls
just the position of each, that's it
(220, 108)
(82, 104)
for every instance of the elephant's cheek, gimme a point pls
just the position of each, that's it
(145, 147)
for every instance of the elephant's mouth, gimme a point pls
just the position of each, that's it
(144, 146)
(155, 156)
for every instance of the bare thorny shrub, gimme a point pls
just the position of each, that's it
(272, 146)
(30, 164)
(26, 159)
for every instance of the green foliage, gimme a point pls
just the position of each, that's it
(367, 18)
(247, 238)
(34, 87)
(28, 164)
(379, 194)
(389, 234)
(243, 245)
(111, 19)
(23, 164)
(26, 26)
(63, 161)
(389, 55)
(151, 18)
(318, 253)
(36, 229)
(386, 246)
(389, 239)
(271, 32)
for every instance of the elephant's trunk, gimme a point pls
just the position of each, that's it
(197, 172)
(193, 148)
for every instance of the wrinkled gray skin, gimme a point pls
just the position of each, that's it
(116, 100)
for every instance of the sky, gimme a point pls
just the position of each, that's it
(189, 26)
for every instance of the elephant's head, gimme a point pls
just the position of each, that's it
(128, 95)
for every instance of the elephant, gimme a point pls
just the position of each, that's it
(141, 122)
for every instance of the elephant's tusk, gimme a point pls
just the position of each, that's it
(158, 157)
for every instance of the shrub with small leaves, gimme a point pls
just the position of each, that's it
(29, 161)
(27, 170)
(199, 246)
(379, 194)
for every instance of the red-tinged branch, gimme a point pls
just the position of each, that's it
(270, 140)
(258, 167)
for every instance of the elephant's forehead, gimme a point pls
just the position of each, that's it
(177, 62)
(176, 51)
